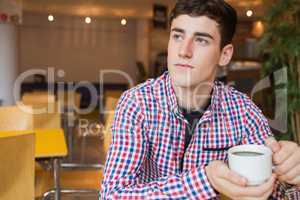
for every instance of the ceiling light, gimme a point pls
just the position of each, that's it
(88, 20)
(123, 22)
(50, 18)
(249, 13)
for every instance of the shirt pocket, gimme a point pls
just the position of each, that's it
(216, 145)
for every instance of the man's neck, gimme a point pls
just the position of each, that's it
(193, 98)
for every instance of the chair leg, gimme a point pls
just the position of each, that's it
(56, 176)
(46, 195)
(56, 173)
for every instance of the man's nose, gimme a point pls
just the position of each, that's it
(186, 49)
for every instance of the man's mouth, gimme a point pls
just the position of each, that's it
(184, 66)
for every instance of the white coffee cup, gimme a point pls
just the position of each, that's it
(254, 162)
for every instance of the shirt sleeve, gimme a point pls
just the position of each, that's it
(126, 157)
(257, 130)
(256, 125)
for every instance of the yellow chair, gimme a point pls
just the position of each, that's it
(17, 166)
(49, 120)
(46, 113)
(16, 118)
(38, 98)
(41, 101)
(50, 142)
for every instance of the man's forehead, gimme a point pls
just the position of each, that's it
(193, 24)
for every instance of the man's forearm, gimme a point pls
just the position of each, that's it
(191, 185)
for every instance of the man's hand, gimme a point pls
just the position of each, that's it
(232, 185)
(286, 157)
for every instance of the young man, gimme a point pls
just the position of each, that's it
(171, 135)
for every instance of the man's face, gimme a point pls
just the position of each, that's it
(193, 50)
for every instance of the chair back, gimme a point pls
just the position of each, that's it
(16, 118)
(49, 118)
(46, 110)
(38, 98)
(17, 167)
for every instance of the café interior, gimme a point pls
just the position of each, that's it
(63, 66)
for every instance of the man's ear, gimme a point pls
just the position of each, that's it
(226, 55)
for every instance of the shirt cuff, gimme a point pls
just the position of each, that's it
(287, 191)
(292, 191)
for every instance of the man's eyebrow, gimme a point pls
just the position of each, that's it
(201, 34)
(178, 30)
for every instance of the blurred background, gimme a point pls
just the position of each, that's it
(76, 57)
(88, 36)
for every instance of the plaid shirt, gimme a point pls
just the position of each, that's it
(143, 161)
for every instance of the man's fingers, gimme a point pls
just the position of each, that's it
(291, 175)
(272, 144)
(288, 165)
(232, 176)
(284, 153)
(251, 192)
(235, 178)
(233, 185)
(263, 197)
(258, 191)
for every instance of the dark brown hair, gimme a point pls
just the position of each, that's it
(218, 10)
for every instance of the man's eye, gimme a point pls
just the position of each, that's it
(177, 36)
(201, 41)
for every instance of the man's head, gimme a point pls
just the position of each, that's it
(200, 40)
(217, 10)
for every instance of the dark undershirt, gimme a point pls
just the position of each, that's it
(192, 117)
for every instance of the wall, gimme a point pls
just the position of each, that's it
(8, 61)
(80, 49)
(142, 42)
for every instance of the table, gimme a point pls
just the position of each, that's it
(49, 143)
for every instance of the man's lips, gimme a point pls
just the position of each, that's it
(184, 66)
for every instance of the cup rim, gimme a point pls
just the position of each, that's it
(250, 147)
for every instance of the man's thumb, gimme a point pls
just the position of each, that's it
(272, 143)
